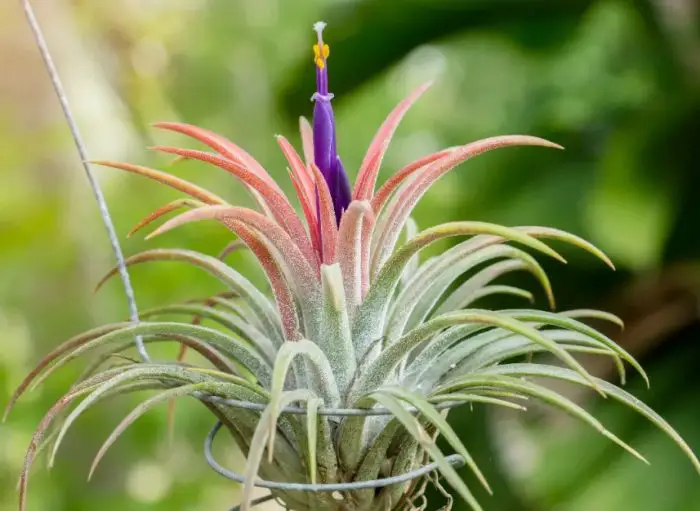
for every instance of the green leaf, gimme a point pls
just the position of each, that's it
(370, 320)
(500, 381)
(418, 298)
(570, 323)
(65, 347)
(175, 373)
(263, 312)
(323, 372)
(372, 461)
(434, 417)
(335, 338)
(476, 398)
(501, 290)
(389, 359)
(141, 409)
(545, 371)
(259, 441)
(233, 347)
(237, 325)
(421, 436)
(479, 353)
(469, 291)
(312, 430)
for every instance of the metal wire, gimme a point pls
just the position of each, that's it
(337, 412)
(454, 459)
(94, 184)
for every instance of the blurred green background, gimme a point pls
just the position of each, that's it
(615, 81)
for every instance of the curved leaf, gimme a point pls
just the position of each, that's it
(261, 308)
(369, 322)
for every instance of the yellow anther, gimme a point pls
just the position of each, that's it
(321, 54)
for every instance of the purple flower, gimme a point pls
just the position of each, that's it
(325, 152)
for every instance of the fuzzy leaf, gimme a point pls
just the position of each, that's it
(164, 210)
(259, 441)
(67, 346)
(418, 298)
(434, 417)
(388, 360)
(141, 409)
(501, 290)
(307, 140)
(235, 324)
(410, 192)
(471, 289)
(559, 373)
(301, 174)
(390, 186)
(562, 321)
(335, 339)
(367, 175)
(281, 209)
(369, 322)
(312, 430)
(542, 393)
(358, 216)
(559, 235)
(222, 146)
(326, 218)
(302, 273)
(164, 178)
(235, 348)
(476, 398)
(418, 433)
(263, 313)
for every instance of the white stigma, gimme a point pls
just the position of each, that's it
(319, 27)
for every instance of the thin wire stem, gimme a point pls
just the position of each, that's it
(454, 459)
(328, 412)
(94, 184)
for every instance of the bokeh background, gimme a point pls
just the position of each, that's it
(615, 81)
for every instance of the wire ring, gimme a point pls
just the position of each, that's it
(337, 412)
(454, 459)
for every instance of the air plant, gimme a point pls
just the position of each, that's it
(354, 321)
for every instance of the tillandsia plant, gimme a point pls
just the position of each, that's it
(369, 344)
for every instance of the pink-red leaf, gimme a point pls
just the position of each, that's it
(326, 214)
(409, 194)
(301, 172)
(350, 249)
(190, 189)
(388, 188)
(221, 145)
(164, 210)
(280, 207)
(307, 140)
(280, 288)
(367, 175)
(309, 210)
(251, 225)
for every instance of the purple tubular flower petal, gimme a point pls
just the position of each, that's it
(343, 190)
(324, 137)
(325, 152)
